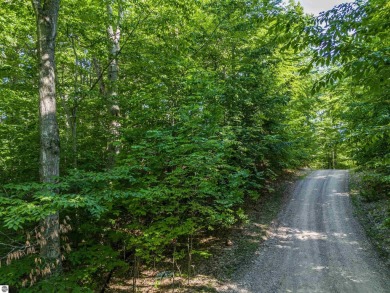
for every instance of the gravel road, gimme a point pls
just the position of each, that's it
(317, 245)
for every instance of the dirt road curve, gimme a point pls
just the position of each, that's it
(317, 246)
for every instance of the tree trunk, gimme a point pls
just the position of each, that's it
(46, 12)
(114, 34)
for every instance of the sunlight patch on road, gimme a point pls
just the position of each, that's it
(310, 235)
(340, 235)
(288, 233)
(319, 268)
(320, 177)
(237, 289)
(334, 194)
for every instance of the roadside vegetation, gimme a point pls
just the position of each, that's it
(160, 121)
(370, 196)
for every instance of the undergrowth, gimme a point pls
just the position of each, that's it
(370, 196)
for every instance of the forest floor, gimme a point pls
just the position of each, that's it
(314, 245)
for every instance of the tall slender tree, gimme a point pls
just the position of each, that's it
(114, 34)
(46, 12)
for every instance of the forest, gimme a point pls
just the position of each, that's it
(130, 128)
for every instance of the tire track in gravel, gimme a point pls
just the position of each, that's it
(317, 246)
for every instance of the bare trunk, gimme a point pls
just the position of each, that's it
(46, 15)
(112, 93)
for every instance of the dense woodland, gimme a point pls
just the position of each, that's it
(130, 127)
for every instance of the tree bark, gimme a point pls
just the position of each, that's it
(46, 12)
(114, 34)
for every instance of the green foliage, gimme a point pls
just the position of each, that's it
(375, 186)
(349, 57)
(15, 272)
(61, 284)
(372, 207)
(211, 112)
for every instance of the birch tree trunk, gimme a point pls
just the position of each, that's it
(46, 12)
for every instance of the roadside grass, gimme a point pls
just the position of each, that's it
(373, 212)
